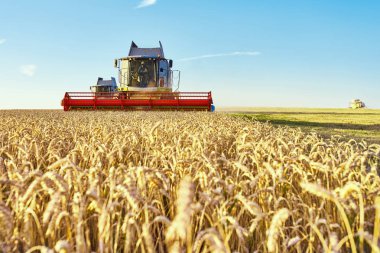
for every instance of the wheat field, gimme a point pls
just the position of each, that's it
(181, 182)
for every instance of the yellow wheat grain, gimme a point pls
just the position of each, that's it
(278, 221)
(376, 231)
(6, 221)
(62, 246)
(177, 232)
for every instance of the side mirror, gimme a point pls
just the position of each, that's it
(116, 63)
(170, 63)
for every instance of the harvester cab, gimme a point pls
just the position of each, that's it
(146, 69)
(145, 83)
(104, 85)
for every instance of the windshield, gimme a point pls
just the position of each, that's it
(143, 73)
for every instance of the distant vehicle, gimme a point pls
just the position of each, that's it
(356, 104)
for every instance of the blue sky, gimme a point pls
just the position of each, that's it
(288, 53)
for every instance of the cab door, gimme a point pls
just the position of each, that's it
(163, 74)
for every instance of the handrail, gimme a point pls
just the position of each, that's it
(172, 77)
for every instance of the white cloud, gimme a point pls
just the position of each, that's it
(2, 41)
(28, 70)
(219, 55)
(146, 3)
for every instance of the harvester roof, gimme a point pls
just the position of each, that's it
(102, 82)
(138, 52)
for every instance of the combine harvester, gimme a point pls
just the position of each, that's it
(145, 83)
(357, 104)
